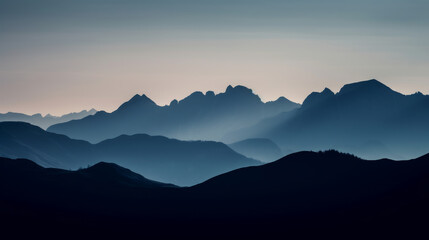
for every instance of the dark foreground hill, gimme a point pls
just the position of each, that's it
(304, 194)
(183, 163)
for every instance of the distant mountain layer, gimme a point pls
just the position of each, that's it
(365, 118)
(199, 116)
(46, 121)
(159, 158)
(303, 194)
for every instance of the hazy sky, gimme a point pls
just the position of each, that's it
(63, 56)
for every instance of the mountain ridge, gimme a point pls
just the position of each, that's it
(198, 116)
(365, 118)
(156, 157)
(302, 194)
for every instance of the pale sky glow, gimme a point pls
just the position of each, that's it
(63, 56)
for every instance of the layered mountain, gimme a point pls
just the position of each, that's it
(199, 116)
(159, 158)
(365, 118)
(306, 193)
(44, 121)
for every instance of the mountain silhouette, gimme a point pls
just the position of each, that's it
(303, 194)
(365, 118)
(262, 149)
(159, 158)
(110, 173)
(199, 116)
(106, 174)
(46, 121)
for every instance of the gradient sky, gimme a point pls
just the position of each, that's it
(63, 56)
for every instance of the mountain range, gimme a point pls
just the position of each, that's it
(168, 160)
(365, 118)
(302, 194)
(199, 116)
(44, 121)
(122, 177)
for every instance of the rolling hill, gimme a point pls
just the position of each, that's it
(306, 194)
(159, 158)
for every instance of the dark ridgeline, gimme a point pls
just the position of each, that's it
(197, 117)
(304, 194)
(261, 149)
(365, 118)
(168, 160)
(46, 121)
(184, 163)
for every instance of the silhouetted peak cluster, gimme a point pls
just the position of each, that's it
(138, 101)
(370, 88)
(238, 89)
(238, 93)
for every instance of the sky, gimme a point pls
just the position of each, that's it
(61, 56)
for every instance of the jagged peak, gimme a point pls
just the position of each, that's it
(238, 89)
(143, 98)
(327, 91)
(138, 100)
(316, 97)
